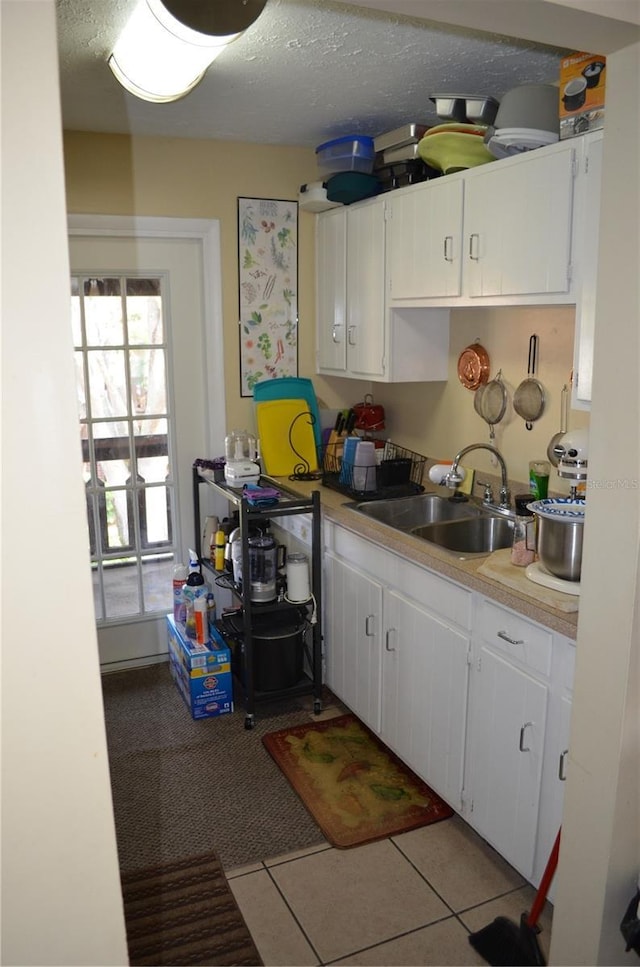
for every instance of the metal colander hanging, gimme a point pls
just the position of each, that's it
(490, 402)
(529, 399)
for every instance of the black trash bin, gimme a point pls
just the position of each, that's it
(277, 651)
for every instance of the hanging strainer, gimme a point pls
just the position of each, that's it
(490, 402)
(528, 399)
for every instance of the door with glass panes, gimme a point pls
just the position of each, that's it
(145, 413)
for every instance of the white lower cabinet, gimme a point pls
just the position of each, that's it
(352, 626)
(556, 756)
(471, 695)
(395, 657)
(424, 696)
(506, 741)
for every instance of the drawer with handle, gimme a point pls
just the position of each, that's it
(528, 643)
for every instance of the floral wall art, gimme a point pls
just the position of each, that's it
(268, 280)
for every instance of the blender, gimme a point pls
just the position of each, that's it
(560, 521)
(266, 557)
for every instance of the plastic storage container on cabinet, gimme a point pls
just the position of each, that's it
(354, 153)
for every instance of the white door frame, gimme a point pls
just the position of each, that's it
(151, 638)
(207, 231)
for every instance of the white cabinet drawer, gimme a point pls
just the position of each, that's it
(528, 643)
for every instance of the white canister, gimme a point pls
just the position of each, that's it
(297, 570)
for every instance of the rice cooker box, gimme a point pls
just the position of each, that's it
(202, 673)
(581, 93)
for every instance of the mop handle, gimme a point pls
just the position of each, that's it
(545, 883)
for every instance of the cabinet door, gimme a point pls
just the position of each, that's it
(589, 229)
(366, 310)
(331, 305)
(424, 241)
(551, 809)
(506, 742)
(517, 224)
(425, 677)
(352, 639)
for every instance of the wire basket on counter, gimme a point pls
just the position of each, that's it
(393, 471)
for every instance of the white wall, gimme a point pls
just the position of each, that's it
(61, 901)
(600, 851)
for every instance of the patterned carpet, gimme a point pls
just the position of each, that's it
(185, 913)
(182, 788)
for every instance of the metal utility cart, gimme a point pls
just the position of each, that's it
(288, 505)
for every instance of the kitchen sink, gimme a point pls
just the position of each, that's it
(462, 527)
(407, 513)
(476, 535)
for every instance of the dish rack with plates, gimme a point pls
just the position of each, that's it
(397, 472)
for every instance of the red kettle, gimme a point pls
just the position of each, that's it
(369, 416)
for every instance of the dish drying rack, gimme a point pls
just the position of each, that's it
(398, 472)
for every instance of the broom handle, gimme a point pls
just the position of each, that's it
(545, 883)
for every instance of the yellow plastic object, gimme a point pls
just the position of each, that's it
(453, 151)
(466, 487)
(274, 418)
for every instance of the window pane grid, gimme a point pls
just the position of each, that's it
(125, 427)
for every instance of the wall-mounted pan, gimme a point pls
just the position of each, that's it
(529, 398)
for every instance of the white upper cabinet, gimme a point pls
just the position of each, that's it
(519, 231)
(587, 234)
(331, 306)
(358, 335)
(365, 289)
(424, 232)
(350, 253)
(518, 226)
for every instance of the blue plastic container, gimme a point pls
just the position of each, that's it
(352, 153)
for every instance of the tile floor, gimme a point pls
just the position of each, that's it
(407, 900)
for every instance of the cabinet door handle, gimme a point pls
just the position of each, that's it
(512, 641)
(522, 746)
(367, 626)
(351, 335)
(562, 775)
(448, 248)
(386, 639)
(473, 247)
(334, 332)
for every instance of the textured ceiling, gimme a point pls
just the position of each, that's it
(305, 72)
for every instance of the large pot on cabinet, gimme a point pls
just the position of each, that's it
(559, 531)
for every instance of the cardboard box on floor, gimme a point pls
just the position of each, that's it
(202, 673)
(582, 88)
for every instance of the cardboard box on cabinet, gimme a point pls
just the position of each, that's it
(202, 673)
(582, 93)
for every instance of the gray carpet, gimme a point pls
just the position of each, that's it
(182, 787)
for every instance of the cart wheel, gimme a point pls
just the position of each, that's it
(248, 722)
(317, 707)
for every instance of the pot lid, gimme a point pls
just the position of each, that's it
(473, 366)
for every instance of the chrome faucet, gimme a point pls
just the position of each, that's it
(454, 478)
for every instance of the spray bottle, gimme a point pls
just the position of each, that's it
(179, 607)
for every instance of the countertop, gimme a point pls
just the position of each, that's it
(526, 601)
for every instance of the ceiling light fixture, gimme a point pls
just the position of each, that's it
(166, 47)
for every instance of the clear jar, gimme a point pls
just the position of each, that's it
(523, 548)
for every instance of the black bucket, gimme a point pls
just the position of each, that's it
(277, 640)
(277, 651)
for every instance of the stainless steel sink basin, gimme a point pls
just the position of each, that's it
(479, 535)
(462, 527)
(407, 513)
